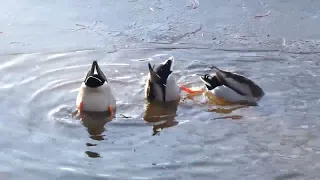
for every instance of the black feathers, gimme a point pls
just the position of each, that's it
(95, 80)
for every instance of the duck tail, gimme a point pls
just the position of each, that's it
(213, 67)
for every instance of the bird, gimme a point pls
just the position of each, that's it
(95, 93)
(161, 85)
(231, 88)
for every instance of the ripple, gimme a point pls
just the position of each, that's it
(47, 89)
(78, 68)
(58, 55)
(43, 88)
(63, 114)
(167, 165)
(288, 176)
(52, 87)
(127, 124)
(66, 72)
(15, 63)
(142, 59)
(65, 85)
(70, 169)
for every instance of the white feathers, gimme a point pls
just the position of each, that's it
(236, 88)
(95, 78)
(172, 63)
(172, 90)
(230, 95)
(96, 99)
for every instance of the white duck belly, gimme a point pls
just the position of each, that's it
(95, 99)
(230, 95)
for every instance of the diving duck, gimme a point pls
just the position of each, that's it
(95, 94)
(161, 85)
(232, 87)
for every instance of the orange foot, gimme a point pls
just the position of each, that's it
(191, 93)
(188, 90)
(111, 111)
(80, 107)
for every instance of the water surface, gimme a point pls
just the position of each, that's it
(47, 48)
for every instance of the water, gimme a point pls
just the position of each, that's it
(47, 48)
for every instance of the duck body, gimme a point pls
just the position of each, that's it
(232, 88)
(95, 99)
(161, 85)
(172, 91)
(95, 94)
(225, 95)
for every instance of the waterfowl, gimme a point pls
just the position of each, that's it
(95, 94)
(161, 85)
(231, 87)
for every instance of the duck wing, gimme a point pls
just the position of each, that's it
(239, 83)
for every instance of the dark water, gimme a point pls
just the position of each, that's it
(47, 47)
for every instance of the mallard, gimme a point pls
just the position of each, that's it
(95, 94)
(161, 85)
(231, 87)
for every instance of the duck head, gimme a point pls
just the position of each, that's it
(93, 80)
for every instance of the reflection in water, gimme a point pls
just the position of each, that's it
(161, 115)
(93, 154)
(94, 122)
(213, 99)
(226, 110)
(90, 144)
(231, 117)
(227, 107)
(209, 99)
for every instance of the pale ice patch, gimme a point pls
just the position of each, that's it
(195, 4)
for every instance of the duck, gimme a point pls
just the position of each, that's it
(231, 88)
(161, 85)
(95, 93)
